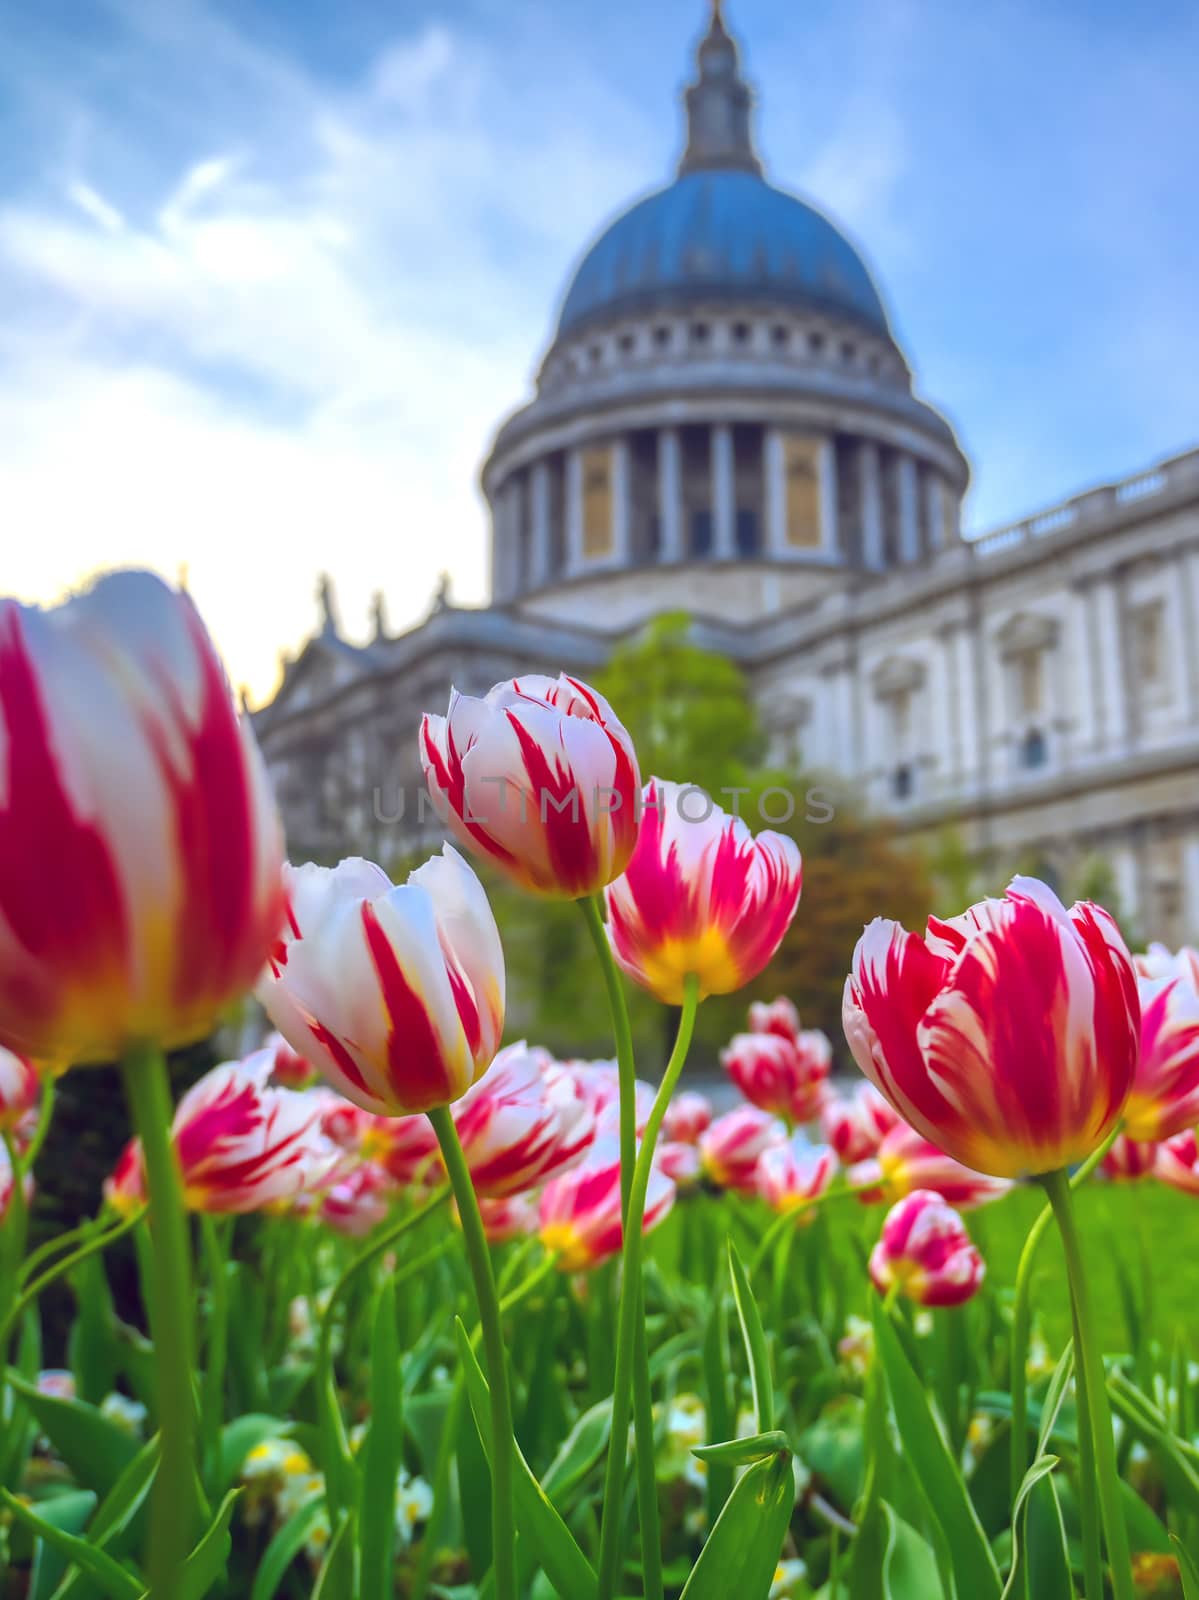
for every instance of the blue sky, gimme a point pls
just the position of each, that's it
(271, 273)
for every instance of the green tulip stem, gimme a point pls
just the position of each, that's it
(1089, 1359)
(631, 1312)
(503, 1443)
(169, 1297)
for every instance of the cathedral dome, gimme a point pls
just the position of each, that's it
(721, 233)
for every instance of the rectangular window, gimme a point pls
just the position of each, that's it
(597, 502)
(802, 463)
(1147, 645)
(701, 533)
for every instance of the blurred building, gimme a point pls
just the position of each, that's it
(724, 424)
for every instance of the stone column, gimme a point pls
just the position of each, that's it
(1189, 582)
(846, 710)
(909, 525)
(1190, 889)
(1179, 644)
(871, 496)
(829, 536)
(539, 494)
(934, 509)
(503, 543)
(574, 512)
(1105, 618)
(1080, 710)
(724, 544)
(969, 732)
(947, 732)
(775, 491)
(620, 501)
(670, 495)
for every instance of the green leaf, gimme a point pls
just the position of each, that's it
(115, 1580)
(284, 1548)
(119, 1516)
(580, 1450)
(741, 1451)
(891, 1561)
(1149, 1425)
(379, 1459)
(742, 1550)
(1041, 1468)
(208, 1560)
(926, 1450)
(1188, 1569)
(96, 1450)
(1049, 1575)
(721, 1418)
(69, 1512)
(536, 1516)
(241, 1436)
(755, 1343)
(95, 1357)
(336, 1578)
(1055, 1395)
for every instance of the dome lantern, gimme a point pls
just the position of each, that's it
(718, 108)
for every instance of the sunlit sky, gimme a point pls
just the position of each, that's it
(272, 270)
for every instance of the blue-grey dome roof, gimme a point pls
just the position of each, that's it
(725, 234)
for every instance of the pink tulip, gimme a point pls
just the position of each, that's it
(1165, 1092)
(6, 1184)
(599, 1085)
(1178, 1162)
(290, 1070)
(855, 1125)
(907, 1162)
(539, 778)
(1130, 1159)
(687, 1115)
(140, 851)
(790, 1176)
(680, 1162)
(925, 1250)
(125, 1187)
(396, 995)
(580, 1210)
(358, 1201)
(523, 1122)
(701, 897)
(788, 1078)
(730, 1148)
(1007, 1036)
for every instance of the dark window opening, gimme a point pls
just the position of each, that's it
(653, 540)
(815, 343)
(700, 332)
(662, 336)
(749, 541)
(780, 335)
(627, 342)
(848, 350)
(741, 332)
(1034, 752)
(901, 783)
(701, 533)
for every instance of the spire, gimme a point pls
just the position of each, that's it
(718, 107)
(327, 601)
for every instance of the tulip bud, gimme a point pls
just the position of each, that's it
(1177, 1162)
(20, 1094)
(925, 1250)
(687, 1115)
(730, 1148)
(140, 851)
(855, 1125)
(790, 1176)
(1130, 1159)
(776, 1016)
(1165, 1092)
(788, 1078)
(396, 995)
(539, 778)
(701, 897)
(1007, 1036)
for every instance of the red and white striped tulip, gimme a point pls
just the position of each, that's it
(580, 1210)
(775, 1016)
(599, 1084)
(788, 1078)
(1130, 1159)
(140, 850)
(790, 1176)
(514, 1217)
(1007, 1036)
(540, 778)
(20, 1094)
(906, 1162)
(290, 1069)
(701, 897)
(925, 1250)
(729, 1150)
(1165, 1092)
(407, 1148)
(358, 1200)
(526, 1120)
(241, 1145)
(680, 1161)
(1178, 1162)
(395, 994)
(6, 1183)
(687, 1115)
(856, 1124)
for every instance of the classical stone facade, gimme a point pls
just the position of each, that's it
(724, 424)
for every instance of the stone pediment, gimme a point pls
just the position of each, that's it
(1026, 631)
